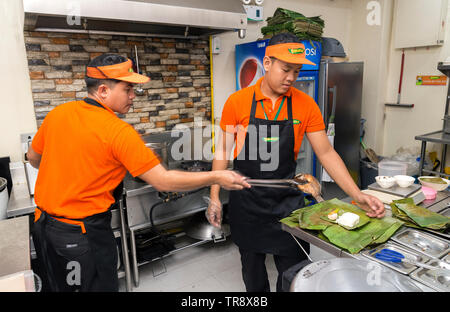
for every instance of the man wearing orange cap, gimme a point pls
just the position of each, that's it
(83, 151)
(270, 118)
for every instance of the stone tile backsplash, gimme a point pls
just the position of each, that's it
(179, 69)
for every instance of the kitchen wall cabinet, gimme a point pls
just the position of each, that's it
(419, 23)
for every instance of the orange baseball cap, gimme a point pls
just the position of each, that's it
(289, 52)
(121, 71)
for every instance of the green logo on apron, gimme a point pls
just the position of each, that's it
(274, 139)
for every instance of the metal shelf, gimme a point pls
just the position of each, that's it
(436, 137)
(178, 249)
(445, 69)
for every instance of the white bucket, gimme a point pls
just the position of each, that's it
(3, 198)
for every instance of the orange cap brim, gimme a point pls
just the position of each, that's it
(122, 71)
(293, 53)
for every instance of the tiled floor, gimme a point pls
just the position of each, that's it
(213, 267)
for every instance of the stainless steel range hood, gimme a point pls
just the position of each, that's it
(163, 18)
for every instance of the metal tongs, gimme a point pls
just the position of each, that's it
(305, 183)
(280, 183)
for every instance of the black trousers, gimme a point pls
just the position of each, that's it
(65, 256)
(254, 270)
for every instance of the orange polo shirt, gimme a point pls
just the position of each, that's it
(86, 151)
(236, 113)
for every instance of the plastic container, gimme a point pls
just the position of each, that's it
(391, 168)
(429, 192)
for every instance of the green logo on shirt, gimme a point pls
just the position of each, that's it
(296, 121)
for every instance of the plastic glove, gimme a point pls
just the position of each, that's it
(214, 212)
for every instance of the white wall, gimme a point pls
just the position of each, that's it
(336, 14)
(16, 106)
(370, 43)
(402, 125)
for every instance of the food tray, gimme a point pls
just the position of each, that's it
(445, 212)
(445, 234)
(425, 243)
(404, 268)
(396, 190)
(438, 280)
(446, 258)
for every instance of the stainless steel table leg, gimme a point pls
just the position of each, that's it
(422, 157)
(134, 259)
(443, 157)
(123, 238)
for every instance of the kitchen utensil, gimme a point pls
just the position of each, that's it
(427, 244)
(402, 267)
(139, 91)
(305, 183)
(199, 228)
(404, 180)
(437, 278)
(278, 183)
(350, 275)
(390, 255)
(428, 182)
(400, 86)
(385, 181)
(396, 190)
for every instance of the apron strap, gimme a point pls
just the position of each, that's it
(254, 103)
(289, 108)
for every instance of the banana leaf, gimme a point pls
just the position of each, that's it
(322, 210)
(377, 231)
(309, 218)
(416, 216)
(353, 241)
(305, 28)
(292, 219)
(392, 226)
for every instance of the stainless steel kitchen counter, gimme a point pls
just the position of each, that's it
(20, 202)
(442, 199)
(14, 245)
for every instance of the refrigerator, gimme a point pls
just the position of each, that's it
(340, 90)
(249, 57)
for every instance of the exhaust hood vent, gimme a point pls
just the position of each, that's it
(162, 18)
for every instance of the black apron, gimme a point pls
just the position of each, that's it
(101, 240)
(255, 213)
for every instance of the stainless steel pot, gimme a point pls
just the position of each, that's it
(199, 228)
(161, 149)
(350, 275)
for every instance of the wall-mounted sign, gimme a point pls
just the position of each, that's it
(431, 80)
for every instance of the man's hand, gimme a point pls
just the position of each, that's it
(373, 206)
(214, 213)
(230, 180)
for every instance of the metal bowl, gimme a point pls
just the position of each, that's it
(350, 275)
(199, 228)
